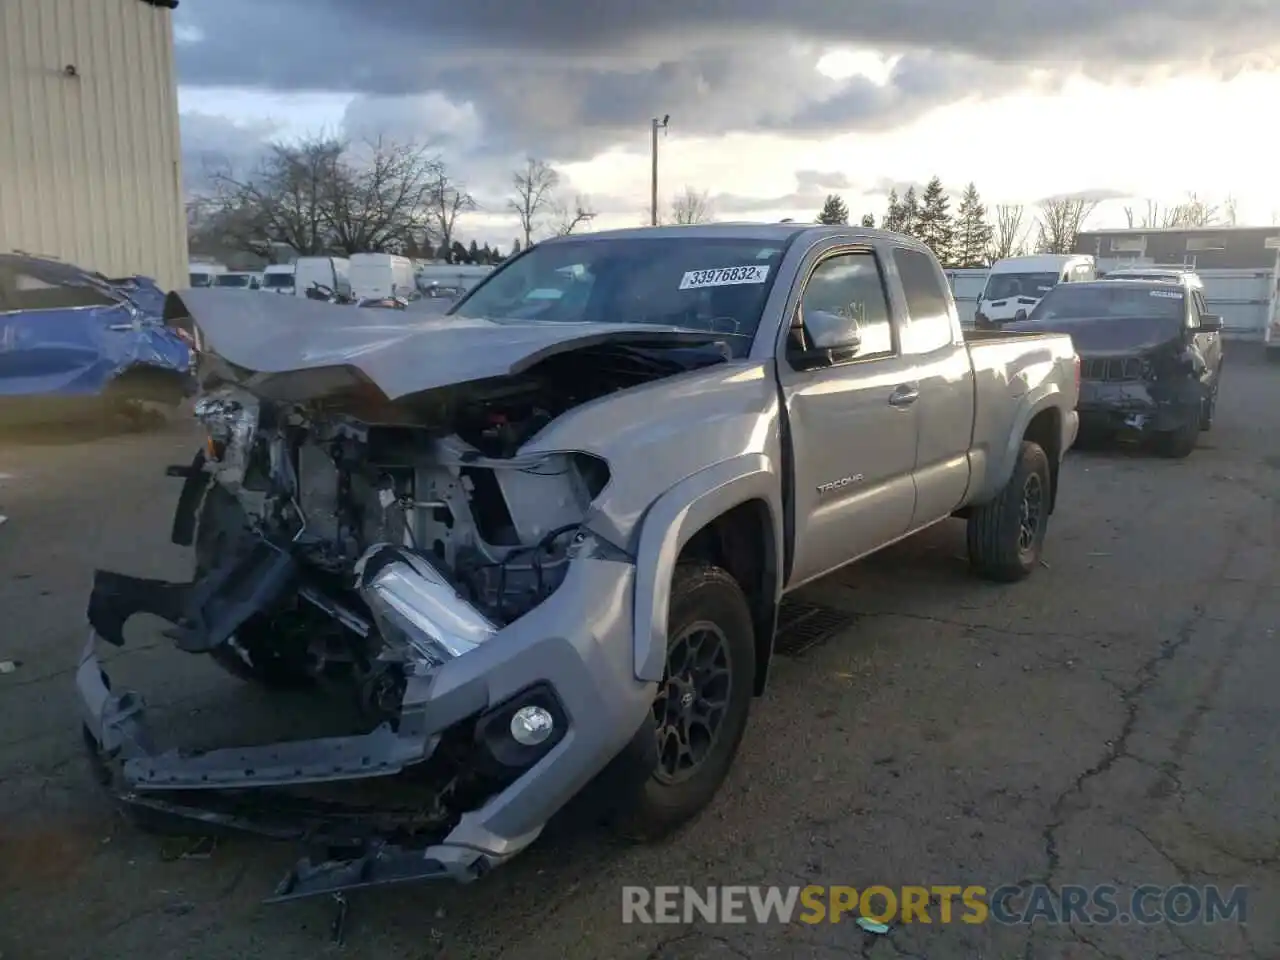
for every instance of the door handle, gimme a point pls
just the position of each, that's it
(904, 396)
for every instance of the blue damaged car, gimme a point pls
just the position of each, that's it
(75, 345)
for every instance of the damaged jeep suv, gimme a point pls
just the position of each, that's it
(1150, 357)
(540, 541)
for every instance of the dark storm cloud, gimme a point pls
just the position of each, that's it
(564, 79)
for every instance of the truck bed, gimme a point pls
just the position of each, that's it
(987, 336)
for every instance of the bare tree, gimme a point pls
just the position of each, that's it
(1230, 211)
(448, 200)
(691, 206)
(1192, 212)
(570, 216)
(382, 203)
(1009, 236)
(286, 200)
(1061, 219)
(535, 185)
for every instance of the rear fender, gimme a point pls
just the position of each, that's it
(671, 522)
(1045, 396)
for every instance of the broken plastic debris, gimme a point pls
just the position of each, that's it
(871, 926)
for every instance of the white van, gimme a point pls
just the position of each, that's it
(450, 280)
(1016, 284)
(331, 272)
(376, 276)
(278, 278)
(204, 273)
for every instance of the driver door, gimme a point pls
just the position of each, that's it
(853, 420)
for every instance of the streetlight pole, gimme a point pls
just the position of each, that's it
(653, 192)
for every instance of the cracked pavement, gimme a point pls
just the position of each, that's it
(1110, 721)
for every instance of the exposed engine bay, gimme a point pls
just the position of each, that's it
(423, 503)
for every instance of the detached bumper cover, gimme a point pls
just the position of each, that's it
(576, 648)
(1139, 408)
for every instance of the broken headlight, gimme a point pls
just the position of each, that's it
(230, 419)
(414, 605)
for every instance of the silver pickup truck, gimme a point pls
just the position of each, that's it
(542, 540)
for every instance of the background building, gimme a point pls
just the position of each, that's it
(1205, 248)
(90, 168)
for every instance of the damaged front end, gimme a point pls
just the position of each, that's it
(410, 557)
(1138, 395)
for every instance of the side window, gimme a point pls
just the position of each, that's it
(929, 327)
(1199, 306)
(1083, 272)
(23, 291)
(850, 285)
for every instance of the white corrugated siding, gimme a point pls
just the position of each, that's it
(90, 168)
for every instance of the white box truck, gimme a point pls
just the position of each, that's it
(331, 272)
(376, 276)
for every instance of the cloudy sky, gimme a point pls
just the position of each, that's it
(773, 105)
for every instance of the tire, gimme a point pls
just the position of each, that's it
(1178, 444)
(278, 659)
(998, 549)
(700, 593)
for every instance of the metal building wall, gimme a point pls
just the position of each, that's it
(90, 167)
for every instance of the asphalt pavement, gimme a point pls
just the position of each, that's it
(1110, 721)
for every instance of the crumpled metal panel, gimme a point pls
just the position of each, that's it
(79, 351)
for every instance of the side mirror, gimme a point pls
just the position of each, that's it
(832, 338)
(1210, 323)
(830, 331)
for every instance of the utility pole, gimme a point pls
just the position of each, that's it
(653, 195)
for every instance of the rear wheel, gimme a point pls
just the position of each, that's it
(700, 711)
(1006, 536)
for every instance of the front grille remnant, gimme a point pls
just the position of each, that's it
(802, 626)
(1112, 368)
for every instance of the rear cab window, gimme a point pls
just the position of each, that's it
(928, 325)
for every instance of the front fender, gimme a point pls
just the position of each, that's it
(668, 525)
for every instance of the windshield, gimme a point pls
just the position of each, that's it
(699, 283)
(231, 280)
(1075, 301)
(1002, 286)
(200, 279)
(277, 281)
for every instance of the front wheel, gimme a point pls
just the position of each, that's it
(700, 711)
(1178, 444)
(1006, 536)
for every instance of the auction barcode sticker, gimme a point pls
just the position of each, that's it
(724, 277)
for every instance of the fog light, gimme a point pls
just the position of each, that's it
(531, 726)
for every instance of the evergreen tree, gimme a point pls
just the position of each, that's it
(473, 253)
(909, 212)
(869, 220)
(442, 252)
(892, 219)
(834, 211)
(457, 252)
(934, 225)
(515, 247)
(973, 232)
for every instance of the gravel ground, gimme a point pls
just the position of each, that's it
(1112, 720)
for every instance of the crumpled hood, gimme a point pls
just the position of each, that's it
(1116, 336)
(399, 352)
